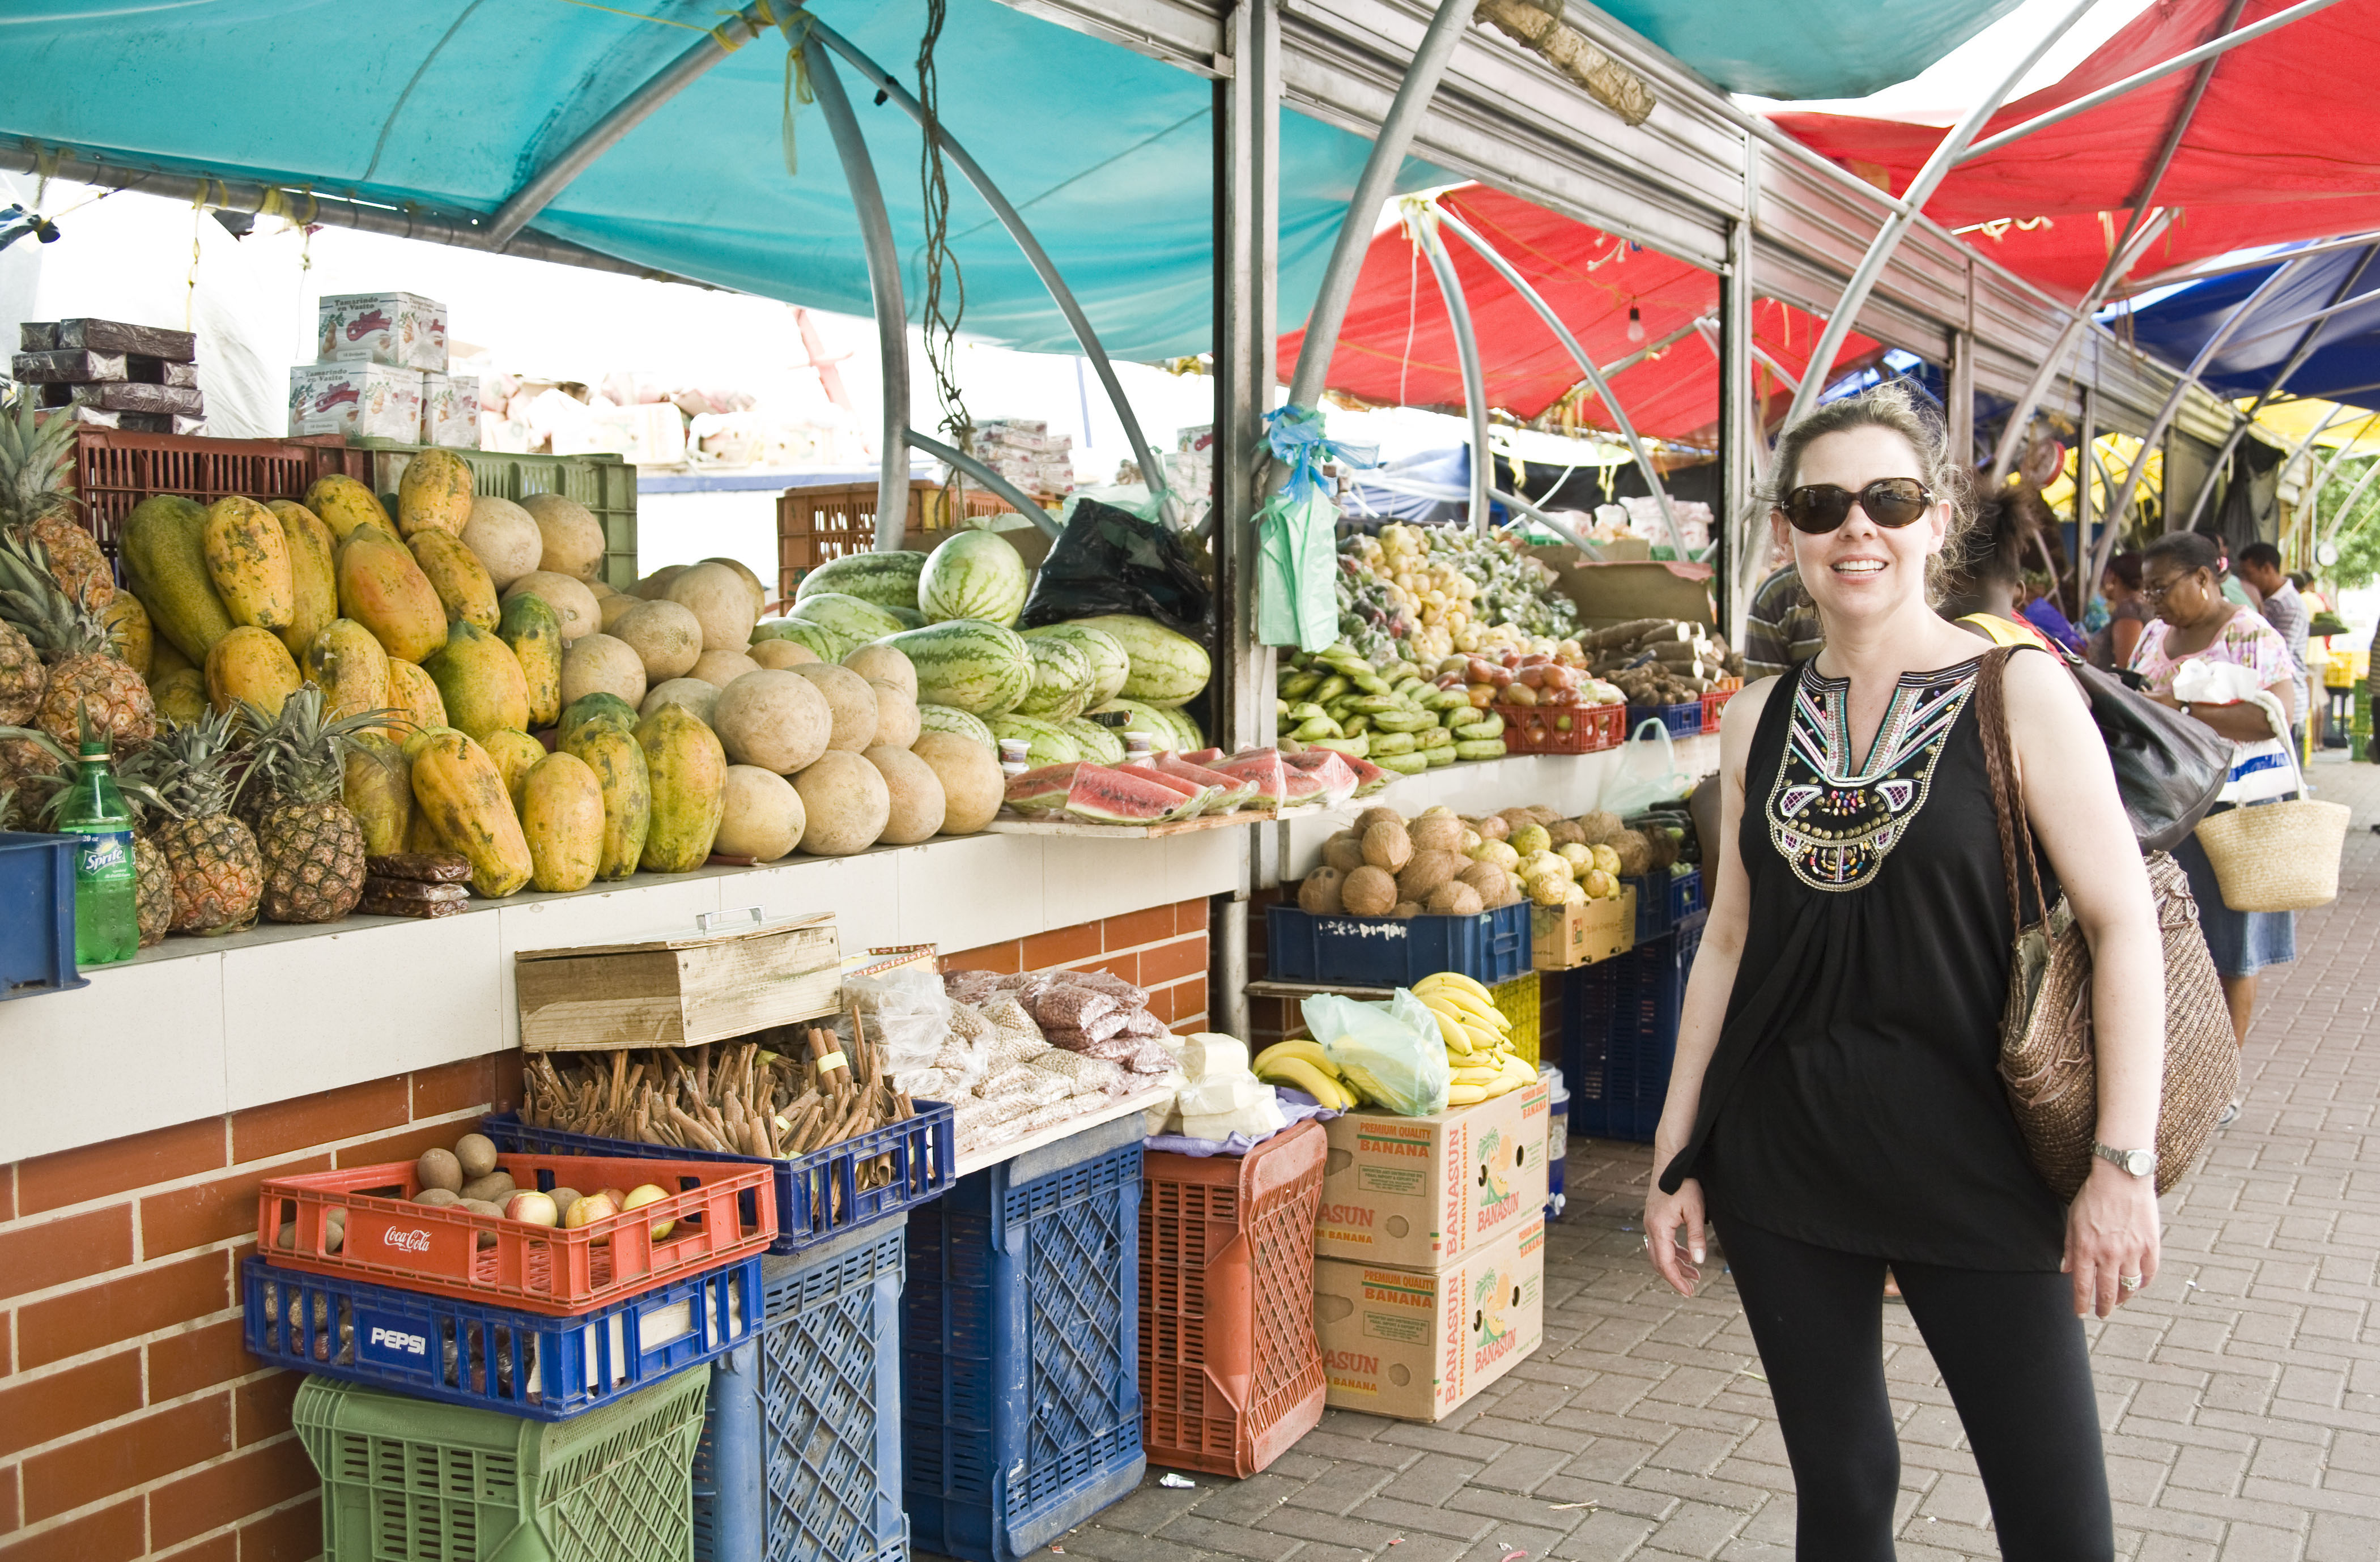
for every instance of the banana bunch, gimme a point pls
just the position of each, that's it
(1478, 1040)
(1303, 1065)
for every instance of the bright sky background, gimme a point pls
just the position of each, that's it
(1961, 78)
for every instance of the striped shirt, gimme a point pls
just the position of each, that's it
(1782, 629)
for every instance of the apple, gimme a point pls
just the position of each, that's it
(531, 1209)
(586, 1211)
(641, 1195)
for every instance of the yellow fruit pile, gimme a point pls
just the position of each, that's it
(1478, 1040)
(1301, 1064)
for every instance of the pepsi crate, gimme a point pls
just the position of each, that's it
(800, 1457)
(1020, 1395)
(819, 1194)
(1389, 951)
(37, 914)
(1620, 1034)
(493, 1358)
(1685, 721)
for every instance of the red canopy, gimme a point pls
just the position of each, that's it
(1397, 347)
(2285, 145)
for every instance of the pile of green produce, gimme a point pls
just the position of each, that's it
(1389, 713)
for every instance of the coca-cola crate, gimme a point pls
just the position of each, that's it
(1560, 729)
(115, 470)
(1715, 700)
(716, 1213)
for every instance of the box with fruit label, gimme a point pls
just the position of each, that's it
(1420, 1192)
(359, 401)
(1580, 933)
(404, 330)
(1417, 1343)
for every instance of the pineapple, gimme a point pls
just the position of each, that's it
(41, 791)
(36, 469)
(85, 674)
(218, 877)
(312, 847)
(22, 677)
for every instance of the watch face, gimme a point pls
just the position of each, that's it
(2140, 1163)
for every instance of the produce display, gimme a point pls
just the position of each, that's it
(1423, 593)
(1662, 660)
(1023, 1052)
(1168, 785)
(1408, 718)
(1444, 864)
(1477, 1037)
(1220, 1095)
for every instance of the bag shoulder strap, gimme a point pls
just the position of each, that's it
(2000, 768)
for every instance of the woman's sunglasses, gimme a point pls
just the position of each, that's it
(1888, 501)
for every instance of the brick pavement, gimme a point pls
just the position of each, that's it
(2240, 1395)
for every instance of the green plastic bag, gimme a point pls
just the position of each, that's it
(1394, 1052)
(1297, 543)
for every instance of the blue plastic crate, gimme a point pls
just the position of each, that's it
(1682, 721)
(818, 1195)
(37, 914)
(491, 1358)
(1653, 910)
(1020, 1348)
(800, 1457)
(1388, 952)
(1685, 894)
(1620, 1034)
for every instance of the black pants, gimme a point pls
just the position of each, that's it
(2012, 1353)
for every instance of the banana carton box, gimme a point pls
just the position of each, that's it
(1415, 1343)
(1420, 1192)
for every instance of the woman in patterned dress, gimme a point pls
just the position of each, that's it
(1835, 1107)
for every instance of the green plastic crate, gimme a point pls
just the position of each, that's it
(408, 1480)
(605, 484)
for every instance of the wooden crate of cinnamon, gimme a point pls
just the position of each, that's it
(722, 980)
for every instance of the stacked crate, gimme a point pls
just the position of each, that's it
(141, 377)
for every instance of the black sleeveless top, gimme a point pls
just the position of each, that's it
(1855, 1101)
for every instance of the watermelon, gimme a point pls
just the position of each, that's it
(1167, 668)
(826, 644)
(910, 617)
(974, 574)
(1186, 728)
(1109, 665)
(967, 664)
(1061, 680)
(1233, 791)
(1195, 795)
(1277, 785)
(889, 580)
(1096, 742)
(945, 719)
(1042, 791)
(1052, 743)
(1105, 794)
(854, 618)
(1157, 724)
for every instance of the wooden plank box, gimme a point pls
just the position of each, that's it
(710, 985)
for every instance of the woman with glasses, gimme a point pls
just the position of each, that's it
(2181, 584)
(1834, 1106)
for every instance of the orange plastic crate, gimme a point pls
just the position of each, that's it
(1530, 729)
(1230, 1374)
(815, 525)
(723, 1213)
(1715, 700)
(115, 470)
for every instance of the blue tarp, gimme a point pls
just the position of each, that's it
(2344, 365)
(1814, 48)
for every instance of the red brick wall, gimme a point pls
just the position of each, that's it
(1162, 948)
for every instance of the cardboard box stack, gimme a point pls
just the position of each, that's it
(1024, 451)
(380, 374)
(143, 378)
(1429, 1254)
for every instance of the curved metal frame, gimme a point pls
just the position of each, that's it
(1022, 503)
(1466, 348)
(2347, 505)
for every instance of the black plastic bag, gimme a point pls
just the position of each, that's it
(1111, 561)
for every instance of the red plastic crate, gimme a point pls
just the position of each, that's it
(116, 470)
(1715, 700)
(723, 1213)
(1529, 728)
(1230, 1374)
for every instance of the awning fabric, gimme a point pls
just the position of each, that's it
(1397, 348)
(2285, 145)
(1813, 49)
(2345, 360)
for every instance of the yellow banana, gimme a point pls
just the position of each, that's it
(1486, 1040)
(1302, 1075)
(1479, 1009)
(1456, 980)
(1297, 1046)
(1465, 1095)
(1453, 1025)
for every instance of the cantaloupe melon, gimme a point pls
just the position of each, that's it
(599, 663)
(614, 607)
(721, 602)
(852, 699)
(504, 538)
(574, 537)
(972, 784)
(896, 714)
(665, 636)
(778, 721)
(884, 665)
(653, 586)
(780, 653)
(762, 816)
(692, 692)
(916, 793)
(569, 598)
(845, 805)
(751, 582)
(721, 668)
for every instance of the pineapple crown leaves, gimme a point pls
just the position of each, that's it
(36, 455)
(200, 768)
(31, 599)
(299, 755)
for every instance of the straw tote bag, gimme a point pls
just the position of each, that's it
(2277, 857)
(2048, 1061)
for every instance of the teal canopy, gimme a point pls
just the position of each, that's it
(1812, 48)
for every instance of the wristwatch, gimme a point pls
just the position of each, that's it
(2138, 1163)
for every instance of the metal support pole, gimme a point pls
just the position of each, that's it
(1466, 352)
(1387, 154)
(1536, 302)
(2085, 452)
(2347, 505)
(2053, 362)
(1022, 503)
(2200, 271)
(1742, 441)
(1559, 529)
(885, 293)
(1959, 417)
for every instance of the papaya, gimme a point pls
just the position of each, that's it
(350, 669)
(381, 588)
(247, 560)
(164, 548)
(602, 706)
(163, 655)
(378, 789)
(180, 696)
(434, 494)
(248, 665)
(688, 769)
(460, 787)
(619, 765)
(516, 754)
(480, 681)
(344, 504)
(421, 832)
(415, 742)
(313, 577)
(562, 814)
(456, 574)
(128, 632)
(533, 630)
(415, 697)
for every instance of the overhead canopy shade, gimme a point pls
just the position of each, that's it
(2345, 361)
(1813, 49)
(1398, 348)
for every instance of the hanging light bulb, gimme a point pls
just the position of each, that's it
(1635, 323)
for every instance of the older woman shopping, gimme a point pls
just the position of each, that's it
(1835, 1107)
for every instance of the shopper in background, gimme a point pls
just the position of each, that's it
(2127, 613)
(1836, 1095)
(2284, 608)
(2235, 590)
(2193, 622)
(1983, 591)
(1780, 630)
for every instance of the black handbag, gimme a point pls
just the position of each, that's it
(2169, 768)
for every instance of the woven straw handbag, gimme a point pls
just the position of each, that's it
(2277, 857)
(2048, 1060)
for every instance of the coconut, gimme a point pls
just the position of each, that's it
(1426, 873)
(1404, 911)
(1599, 826)
(1376, 815)
(1485, 878)
(896, 714)
(504, 537)
(571, 602)
(852, 699)
(845, 802)
(917, 804)
(1319, 893)
(973, 786)
(1635, 854)
(600, 664)
(761, 817)
(721, 668)
(781, 654)
(884, 665)
(720, 601)
(654, 584)
(1565, 832)
(665, 634)
(1388, 846)
(776, 721)
(698, 697)
(1492, 827)
(1437, 832)
(1344, 852)
(572, 537)
(1455, 897)
(1368, 892)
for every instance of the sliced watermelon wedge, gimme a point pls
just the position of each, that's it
(1042, 791)
(1232, 792)
(1279, 785)
(1206, 757)
(1363, 777)
(1112, 795)
(1195, 796)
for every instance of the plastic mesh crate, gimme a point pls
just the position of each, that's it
(1620, 1034)
(116, 470)
(491, 1358)
(1521, 1000)
(1715, 701)
(1387, 951)
(1541, 729)
(1020, 1396)
(815, 525)
(605, 484)
(800, 1455)
(1685, 894)
(406, 1479)
(1656, 911)
(37, 908)
(1230, 1374)
(1683, 721)
(1557, 1140)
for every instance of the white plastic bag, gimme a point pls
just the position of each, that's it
(909, 1016)
(1392, 1051)
(1647, 774)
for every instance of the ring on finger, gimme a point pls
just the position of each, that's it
(2130, 1282)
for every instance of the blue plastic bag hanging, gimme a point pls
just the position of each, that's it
(1297, 598)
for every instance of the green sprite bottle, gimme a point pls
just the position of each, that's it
(107, 896)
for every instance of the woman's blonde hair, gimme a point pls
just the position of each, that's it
(1890, 406)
